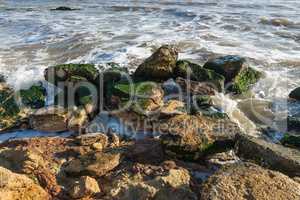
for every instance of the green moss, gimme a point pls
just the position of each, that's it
(34, 97)
(291, 141)
(8, 105)
(142, 89)
(245, 79)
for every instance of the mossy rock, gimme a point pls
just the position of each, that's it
(9, 109)
(244, 80)
(186, 68)
(34, 97)
(71, 72)
(291, 141)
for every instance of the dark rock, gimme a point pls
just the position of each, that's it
(249, 181)
(293, 122)
(273, 156)
(159, 66)
(2, 78)
(64, 8)
(295, 94)
(291, 141)
(195, 88)
(197, 73)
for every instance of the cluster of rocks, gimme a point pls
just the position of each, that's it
(199, 154)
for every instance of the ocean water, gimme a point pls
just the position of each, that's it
(266, 32)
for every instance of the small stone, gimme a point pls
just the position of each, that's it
(86, 187)
(97, 146)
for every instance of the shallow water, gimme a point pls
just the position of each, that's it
(266, 32)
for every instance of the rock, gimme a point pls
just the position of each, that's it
(64, 8)
(95, 164)
(2, 78)
(235, 72)
(295, 94)
(273, 156)
(147, 96)
(85, 187)
(195, 88)
(49, 119)
(173, 107)
(158, 66)
(9, 109)
(16, 186)
(71, 73)
(223, 158)
(114, 140)
(146, 151)
(185, 68)
(291, 141)
(90, 138)
(34, 97)
(249, 181)
(189, 136)
(77, 119)
(293, 122)
(48, 181)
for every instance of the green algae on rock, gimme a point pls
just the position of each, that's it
(291, 141)
(185, 68)
(34, 97)
(159, 66)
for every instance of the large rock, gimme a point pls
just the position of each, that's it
(248, 181)
(85, 187)
(9, 110)
(16, 186)
(195, 72)
(291, 141)
(93, 164)
(189, 136)
(34, 97)
(195, 88)
(158, 66)
(273, 156)
(235, 71)
(295, 94)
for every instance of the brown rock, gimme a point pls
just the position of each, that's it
(249, 181)
(173, 107)
(48, 181)
(196, 88)
(16, 186)
(91, 138)
(85, 187)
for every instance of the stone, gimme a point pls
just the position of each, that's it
(34, 97)
(295, 94)
(268, 154)
(190, 137)
(97, 146)
(2, 78)
(49, 119)
(16, 186)
(77, 119)
(195, 88)
(48, 181)
(291, 141)
(9, 109)
(95, 164)
(146, 151)
(293, 122)
(85, 187)
(159, 66)
(64, 8)
(173, 107)
(235, 71)
(222, 159)
(195, 72)
(249, 181)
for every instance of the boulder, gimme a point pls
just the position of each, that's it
(64, 8)
(49, 119)
(95, 164)
(235, 71)
(295, 94)
(249, 181)
(293, 122)
(273, 156)
(2, 78)
(16, 186)
(48, 181)
(291, 141)
(9, 109)
(92, 138)
(173, 107)
(85, 187)
(158, 66)
(34, 97)
(195, 88)
(190, 137)
(195, 72)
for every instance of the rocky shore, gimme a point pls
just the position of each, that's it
(168, 140)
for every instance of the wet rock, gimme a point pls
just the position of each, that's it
(195, 88)
(291, 141)
(34, 97)
(2, 78)
(92, 138)
(64, 8)
(293, 122)
(158, 66)
(273, 156)
(295, 94)
(249, 181)
(146, 151)
(9, 110)
(235, 71)
(190, 137)
(93, 164)
(85, 187)
(50, 119)
(195, 72)
(223, 158)
(16, 186)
